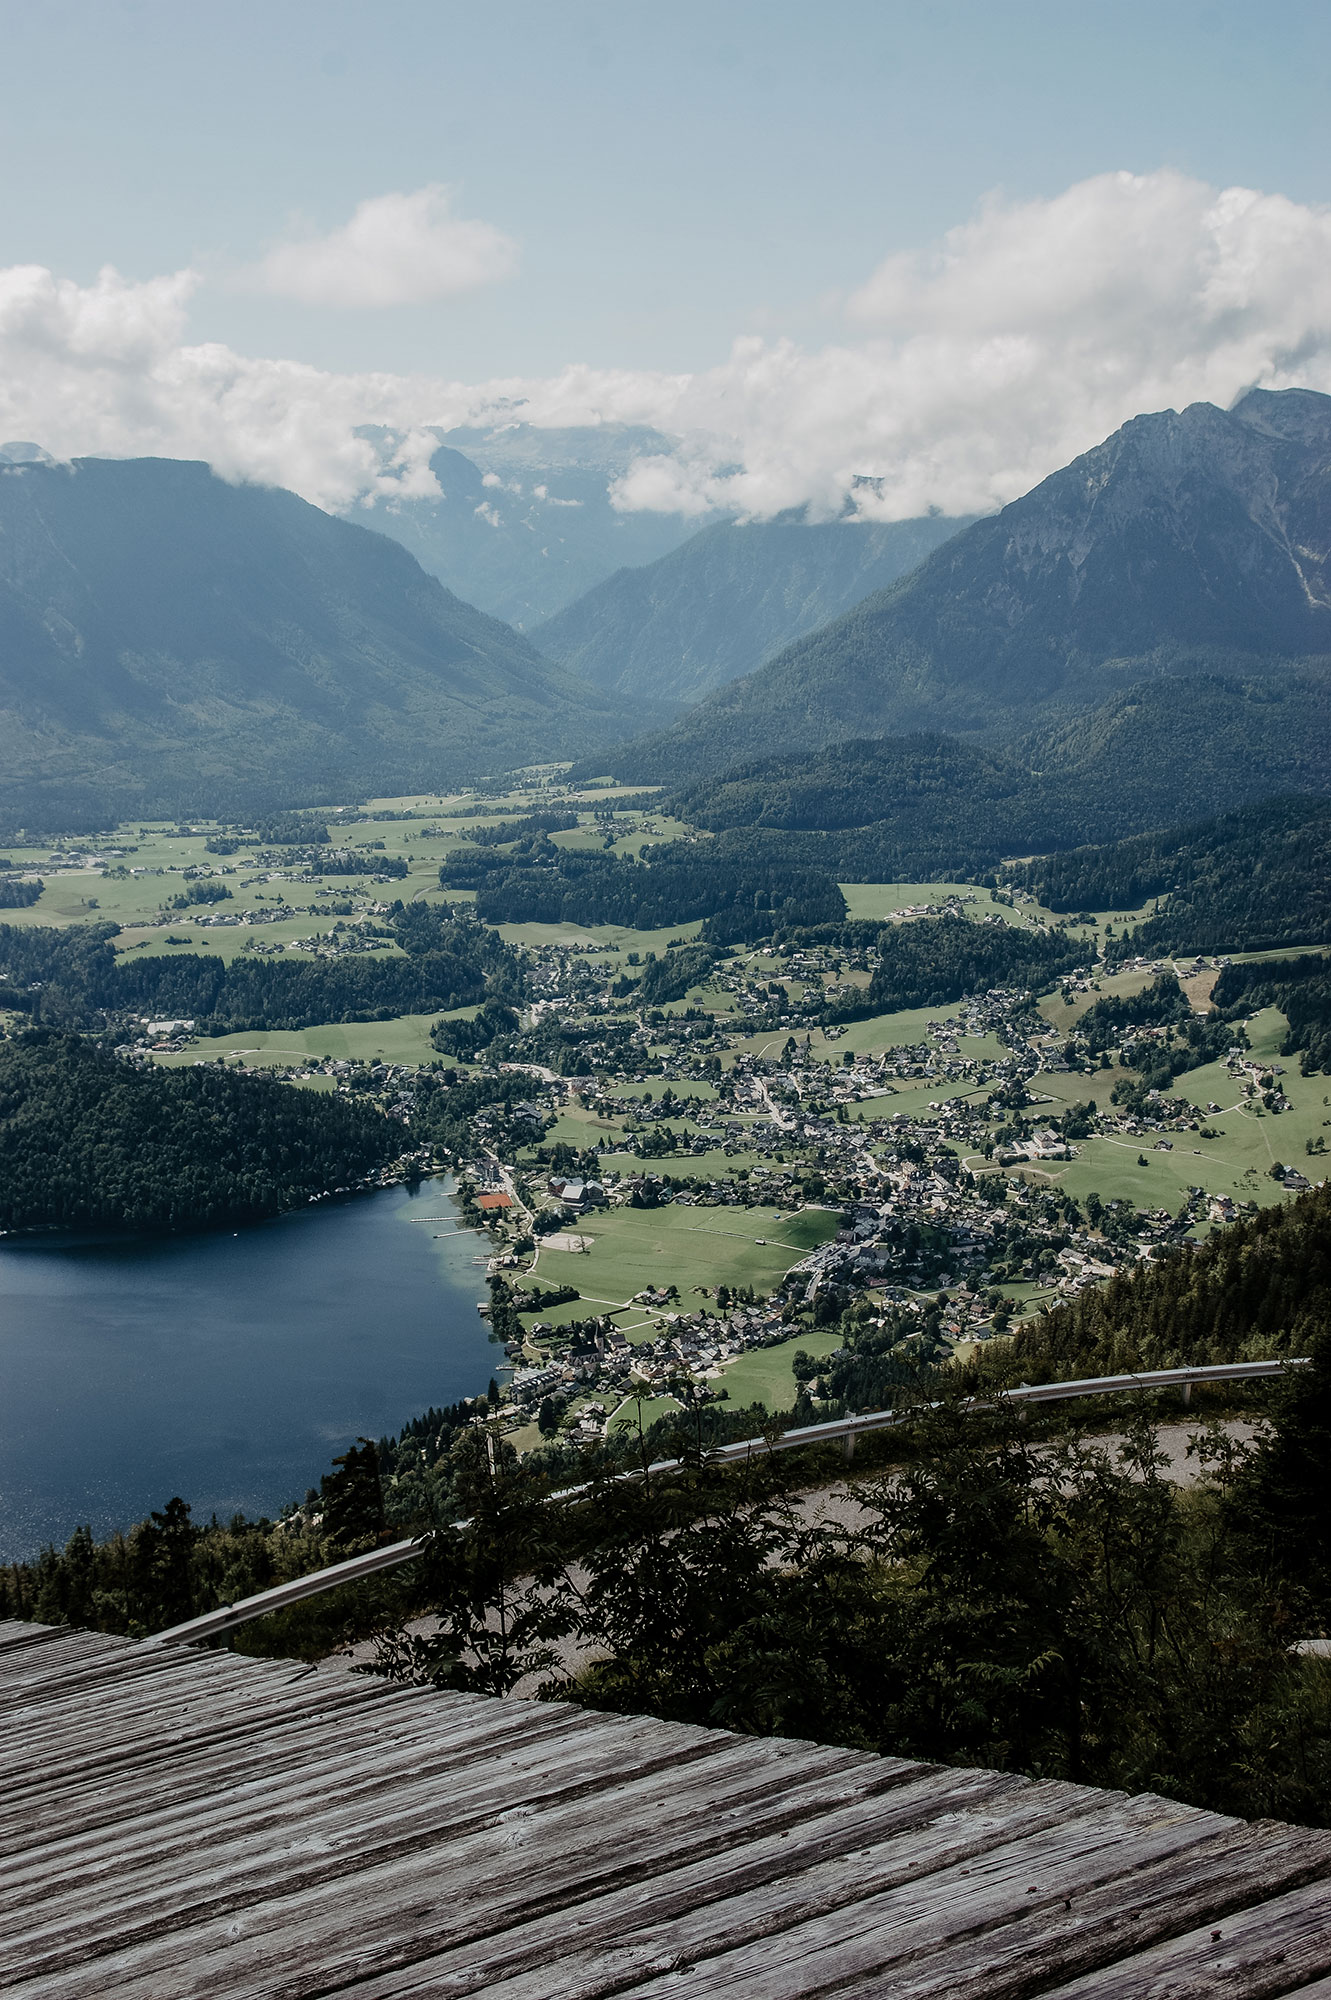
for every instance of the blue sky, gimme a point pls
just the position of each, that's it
(672, 175)
(945, 245)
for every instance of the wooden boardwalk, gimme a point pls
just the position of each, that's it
(180, 1823)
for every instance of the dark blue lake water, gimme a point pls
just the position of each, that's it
(228, 1369)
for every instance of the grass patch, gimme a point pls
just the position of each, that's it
(404, 1040)
(765, 1375)
(686, 1247)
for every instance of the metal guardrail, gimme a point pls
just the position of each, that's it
(845, 1430)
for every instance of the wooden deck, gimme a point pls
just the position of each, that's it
(177, 1823)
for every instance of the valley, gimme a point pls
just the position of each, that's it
(737, 1163)
(941, 979)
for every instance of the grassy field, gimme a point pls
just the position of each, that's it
(1061, 1013)
(764, 1374)
(405, 1040)
(1237, 1162)
(685, 1247)
(871, 1037)
(644, 1410)
(883, 899)
(619, 937)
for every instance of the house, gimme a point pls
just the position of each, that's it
(580, 1195)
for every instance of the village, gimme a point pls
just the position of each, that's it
(730, 1162)
(940, 1213)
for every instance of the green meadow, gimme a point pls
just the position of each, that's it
(683, 1246)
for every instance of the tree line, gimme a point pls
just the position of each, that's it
(740, 896)
(73, 978)
(16, 894)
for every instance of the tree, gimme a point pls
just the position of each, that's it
(161, 1552)
(491, 1579)
(1280, 1503)
(352, 1497)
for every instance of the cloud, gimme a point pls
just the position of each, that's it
(397, 249)
(968, 371)
(105, 370)
(1023, 338)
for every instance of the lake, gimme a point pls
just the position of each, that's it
(226, 1368)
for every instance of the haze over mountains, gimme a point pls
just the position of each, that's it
(172, 643)
(525, 523)
(1186, 541)
(720, 604)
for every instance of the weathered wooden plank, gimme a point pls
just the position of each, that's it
(122, 1690)
(18, 1638)
(13, 1631)
(107, 1894)
(157, 1816)
(874, 1934)
(566, 1859)
(392, 1883)
(602, 1943)
(228, 1827)
(1102, 1926)
(305, 1943)
(1264, 1953)
(132, 1674)
(253, 1796)
(182, 1772)
(423, 1721)
(149, 1744)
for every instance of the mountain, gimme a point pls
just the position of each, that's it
(928, 806)
(721, 604)
(1185, 542)
(171, 643)
(524, 523)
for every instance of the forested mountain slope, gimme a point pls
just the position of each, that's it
(729, 598)
(1185, 542)
(171, 643)
(911, 807)
(1248, 881)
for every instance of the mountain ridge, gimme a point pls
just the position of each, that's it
(523, 522)
(1185, 542)
(728, 598)
(170, 642)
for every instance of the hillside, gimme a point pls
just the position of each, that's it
(1249, 881)
(914, 806)
(523, 523)
(87, 1142)
(1186, 542)
(728, 599)
(170, 643)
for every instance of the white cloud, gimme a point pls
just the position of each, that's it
(105, 370)
(397, 249)
(1024, 338)
(969, 371)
